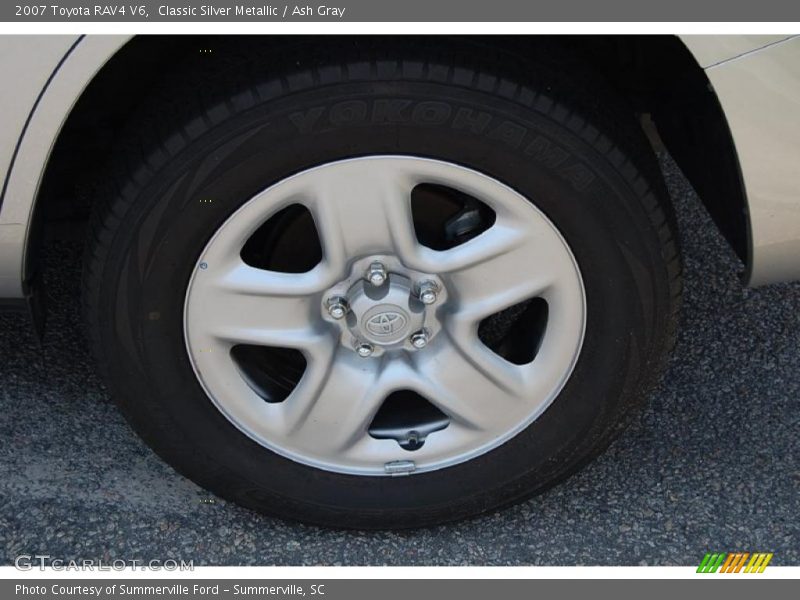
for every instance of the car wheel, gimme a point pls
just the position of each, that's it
(381, 293)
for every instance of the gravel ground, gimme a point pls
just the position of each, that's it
(713, 464)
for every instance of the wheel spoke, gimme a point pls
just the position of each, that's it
(501, 267)
(362, 209)
(241, 304)
(332, 407)
(472, 386)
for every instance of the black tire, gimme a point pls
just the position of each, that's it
(592, 174)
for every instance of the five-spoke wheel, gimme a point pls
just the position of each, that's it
(381, 313)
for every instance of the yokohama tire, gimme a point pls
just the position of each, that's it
(593, 177)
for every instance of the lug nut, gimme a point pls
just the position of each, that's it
(365, 350)
(419, 339)
(337, 307)
(428, 292)
(376, 274)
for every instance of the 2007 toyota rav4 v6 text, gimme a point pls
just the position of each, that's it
(388, 282)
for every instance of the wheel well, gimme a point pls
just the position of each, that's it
(656, 75)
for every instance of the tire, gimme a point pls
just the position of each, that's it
(586, 168)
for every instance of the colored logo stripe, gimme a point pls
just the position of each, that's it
(711, 563)
(758, 563)
(733, 562)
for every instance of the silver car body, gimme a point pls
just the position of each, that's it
(756, 79)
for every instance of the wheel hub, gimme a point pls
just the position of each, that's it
(386, 307)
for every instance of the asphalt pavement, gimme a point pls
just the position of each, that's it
(712, 464)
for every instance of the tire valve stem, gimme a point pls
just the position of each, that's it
(412, 441)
